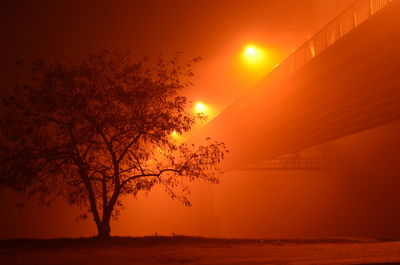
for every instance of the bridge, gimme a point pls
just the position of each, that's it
(344, 80)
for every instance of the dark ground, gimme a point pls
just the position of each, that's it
(196, 250)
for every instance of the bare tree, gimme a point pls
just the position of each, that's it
(95, 131)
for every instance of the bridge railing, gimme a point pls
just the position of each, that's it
(343, 24)
(353, 16)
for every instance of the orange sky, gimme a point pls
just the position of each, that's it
(245, 205)
(215, 30)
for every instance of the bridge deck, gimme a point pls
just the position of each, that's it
(351, 86)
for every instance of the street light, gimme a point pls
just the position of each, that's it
(200, 108)
(253, 54)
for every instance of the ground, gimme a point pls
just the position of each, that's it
(194, 250)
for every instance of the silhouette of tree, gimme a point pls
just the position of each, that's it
(95, 131)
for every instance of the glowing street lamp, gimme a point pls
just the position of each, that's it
(253, 54)
(254, 62)
(175, 135)
(200, 108)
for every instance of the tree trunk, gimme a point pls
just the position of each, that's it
(104, 229)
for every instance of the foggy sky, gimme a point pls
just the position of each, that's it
(282, 205)
(215, 30)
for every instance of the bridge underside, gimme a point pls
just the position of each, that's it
(352, 86)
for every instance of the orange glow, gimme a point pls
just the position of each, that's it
(253, 54)
(255, 61)
(276, 77)
(200, 108)
(206, 112)
(251, 51)
(175, 135)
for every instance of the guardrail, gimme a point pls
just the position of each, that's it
(349, 19)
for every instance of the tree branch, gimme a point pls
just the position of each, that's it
(150, 175)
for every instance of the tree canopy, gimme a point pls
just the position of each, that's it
(95, 131)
